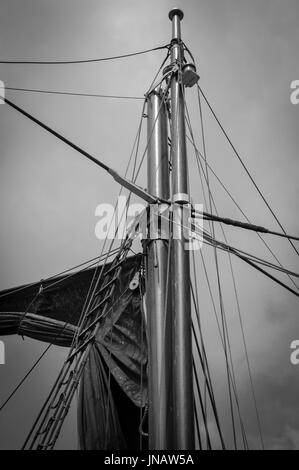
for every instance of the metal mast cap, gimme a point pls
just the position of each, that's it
(175, 11)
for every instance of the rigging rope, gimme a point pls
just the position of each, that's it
(221, 303)
(196, 307)
(124, 212)
(87, 304)
(16, 388)
(80, 323)
(237, 223)
(137, 139)
(83, 61)
(27, 286)
(68, 93)
(257, 413)
(20, 383)
(119, 179)
(205, 366)
(225, 246)
(247, 260)
(213, 242)
(197, 425)
(141, 415)
(236, 294)
(245, 168)
(71, 385)
(209, 444)
(164, 95)
(63, 371)
(197, 155)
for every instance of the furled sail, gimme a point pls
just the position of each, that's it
(113, 387)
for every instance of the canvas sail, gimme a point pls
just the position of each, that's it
(113, 386)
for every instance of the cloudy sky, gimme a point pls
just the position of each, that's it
(247, 57)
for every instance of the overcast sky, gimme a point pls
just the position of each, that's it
(247, 56)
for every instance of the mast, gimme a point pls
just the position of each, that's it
(159, 322)
(183, 419)
(171, 413)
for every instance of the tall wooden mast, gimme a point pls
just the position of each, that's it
(159, 320)
(171, 413)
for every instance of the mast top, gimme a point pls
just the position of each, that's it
(176, 11)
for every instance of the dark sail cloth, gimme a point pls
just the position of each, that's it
(113, 386)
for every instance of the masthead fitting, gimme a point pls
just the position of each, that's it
(190, 77)
(176, 11)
